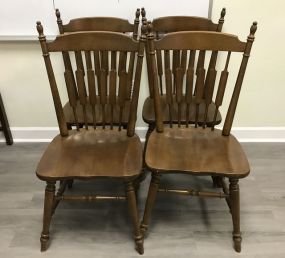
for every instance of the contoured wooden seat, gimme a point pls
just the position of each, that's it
(91, 153)
(197, 149)
(99, 149)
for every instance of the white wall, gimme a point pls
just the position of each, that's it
(262, 97)
(25, 89)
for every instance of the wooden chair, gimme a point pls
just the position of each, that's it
(162, 26)
(194, 149)
(101, 60)
(99, 150)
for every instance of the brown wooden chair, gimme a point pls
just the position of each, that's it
(193, 149)
(162, 26)
(99, 150)
(101, 60)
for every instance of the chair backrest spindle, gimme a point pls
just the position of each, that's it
(204, 42)
(107, 100)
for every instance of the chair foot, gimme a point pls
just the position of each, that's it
(44, 242)
(237, 242)
(139, 245)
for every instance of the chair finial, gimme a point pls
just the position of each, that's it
(138, 13)
(40, 28)
(222, 16)
(253, 28)
(223, 12)
(143, 13)
(57, 13)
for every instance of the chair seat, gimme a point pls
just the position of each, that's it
(149, 115)
(68, 112)
(196, 151)
(91, 153)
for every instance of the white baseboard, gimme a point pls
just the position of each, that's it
(243, 134)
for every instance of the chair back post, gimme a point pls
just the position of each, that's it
(136, 89)
(136, 24)
(59, 21)
(65, 55)
(221, 20)
(211, 73)
(154, 72)
(143, 14)
(144, 22)
(235, 96)
(55, 94)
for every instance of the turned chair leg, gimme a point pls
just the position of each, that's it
(151, 127)
(217, 182)
(48, 207)
(152, 192)
(69, 183)
(235, 211)
(142, 175)
(133, 211)
(69, 126)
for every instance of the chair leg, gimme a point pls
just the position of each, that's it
(235, 211)
(133, 211)
(142, 176)
(152, 192)
(48, 205)
(69, 126)
(151, 127)
(216, 182)
(69, 183)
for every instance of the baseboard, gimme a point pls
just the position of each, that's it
(243, 134)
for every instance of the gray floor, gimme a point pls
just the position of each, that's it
(181, 226)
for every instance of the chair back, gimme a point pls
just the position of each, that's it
(96, 24)
(167, 24)
(116, 84)
(99, 24)
(183, 86)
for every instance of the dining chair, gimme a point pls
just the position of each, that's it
(162, 26)
(199, 149)
(99, 150)
(101, 59)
